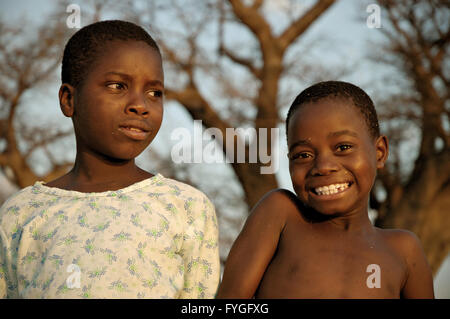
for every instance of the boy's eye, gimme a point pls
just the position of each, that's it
(301, 156)
(344, 147)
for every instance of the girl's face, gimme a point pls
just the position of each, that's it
(332, 157)
(118, 107)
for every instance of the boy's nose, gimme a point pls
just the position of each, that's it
(324, 165)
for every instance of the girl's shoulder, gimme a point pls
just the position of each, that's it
(180, 189)
(20, 198)
(19, 207)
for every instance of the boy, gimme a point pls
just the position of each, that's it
(108, 229)
(321, 243)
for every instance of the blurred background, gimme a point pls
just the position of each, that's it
(241, 63)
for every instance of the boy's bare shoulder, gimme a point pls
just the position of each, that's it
(280, 195)
(277, 207)
(403, 241)
(278, 201)
(399, 236)
(418, 280)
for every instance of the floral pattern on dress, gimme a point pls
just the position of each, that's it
(157, 238)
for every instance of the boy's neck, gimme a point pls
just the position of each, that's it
(355, 221)
(352, 222)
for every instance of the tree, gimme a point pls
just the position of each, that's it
(25, 64)
(417, 37)
(263, 67)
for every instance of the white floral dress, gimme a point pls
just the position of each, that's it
(157, 238)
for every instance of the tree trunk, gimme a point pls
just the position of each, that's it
(254, 184)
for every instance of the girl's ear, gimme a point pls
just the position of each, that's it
(66, 99)
(382, 149)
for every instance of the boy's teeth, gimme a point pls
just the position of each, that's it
(331, 189)
(134, 129)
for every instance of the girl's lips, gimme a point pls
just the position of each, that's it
(134, 132)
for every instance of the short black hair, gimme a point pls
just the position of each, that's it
(339, 89)
(88, 43)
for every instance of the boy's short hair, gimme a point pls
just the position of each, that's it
(88, 43)
(339, 89)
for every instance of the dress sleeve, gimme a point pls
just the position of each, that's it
(3, 284)
(9, 237)
(201, 251)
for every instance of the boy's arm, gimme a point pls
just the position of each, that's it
(419, 281)
(255, 246)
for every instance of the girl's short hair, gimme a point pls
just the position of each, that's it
(88, 43)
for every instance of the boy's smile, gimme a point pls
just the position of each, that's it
(331, 191)
(333, 158)
(118, 108)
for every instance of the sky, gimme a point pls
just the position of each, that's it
(347, 19)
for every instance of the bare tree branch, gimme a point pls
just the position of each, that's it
(299, 26)
(247, 63)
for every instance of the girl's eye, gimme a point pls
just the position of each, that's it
(155, 93)
(116, 86)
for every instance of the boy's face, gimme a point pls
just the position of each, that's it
(118, 108)
(332, 157)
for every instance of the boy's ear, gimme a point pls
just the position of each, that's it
(382, 149)
(66, 99)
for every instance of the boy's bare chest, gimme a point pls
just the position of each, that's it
(310, 265)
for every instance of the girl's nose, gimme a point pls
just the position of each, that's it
(137, 106)
(137, 109)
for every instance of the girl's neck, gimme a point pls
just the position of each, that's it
(93, 174)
